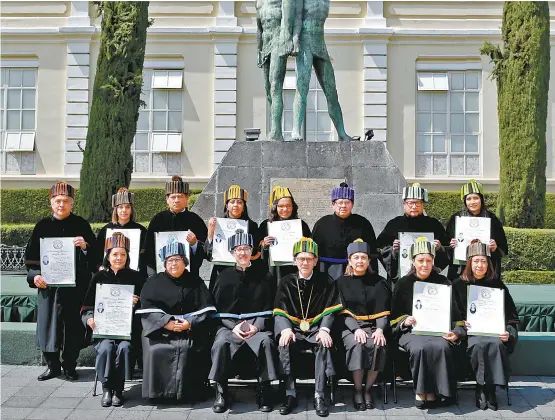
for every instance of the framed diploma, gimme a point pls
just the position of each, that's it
(485, 311)
(134, 236)
(286, 232)
(407, 239)
(431, 306)
(113, 311)
(57, 261)
(161, 239)
(226, 228)
(466, 230)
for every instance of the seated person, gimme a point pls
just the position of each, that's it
(243, 295)
(174, 307)
(304, 312)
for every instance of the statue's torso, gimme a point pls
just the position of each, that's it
(269, 13)
(315, 13)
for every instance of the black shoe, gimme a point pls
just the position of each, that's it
(369, 403)
(288, 405)
(359, 406)
(106, 400)
(481, 401)
(421, 404)
(71, 374)
(117, 399)
(49, 374)
(220, 403)
(321, 407)
(264, 402)
(491, 398)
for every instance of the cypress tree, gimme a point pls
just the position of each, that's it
(521, 71)
(107, 160)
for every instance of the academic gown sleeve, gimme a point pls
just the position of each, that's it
(32, 256)
(384, 244)
(205, 299)
(101, 240)
(153, 323)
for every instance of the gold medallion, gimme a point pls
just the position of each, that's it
(305, 326)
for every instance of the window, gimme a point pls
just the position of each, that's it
(317, 124)
(157, 145)
(18, 92)
(448, 124)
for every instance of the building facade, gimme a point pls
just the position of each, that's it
(409, 70)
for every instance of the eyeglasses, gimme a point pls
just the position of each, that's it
(243, 250)
(173, 261)
(343, 203)
(413, 203)
(304, 260)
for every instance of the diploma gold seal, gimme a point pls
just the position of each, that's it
(305, 326)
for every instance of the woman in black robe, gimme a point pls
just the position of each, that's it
(114, 358)
(235, 207)
(243, 296)
(431, 357)
(174, 307)
(282, 207)
(366, 299)
(489, 356)
(472, 196)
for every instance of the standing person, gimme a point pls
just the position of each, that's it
(431, 358)
(114, 358)
(334, 232)
(244, 296)
(177, 218)
(472, 196)
(175, 305)
(235, 207)
(489, 356)
(366, 299)
(58, 319)
(413, 220)
(282, 207)
(305, 305)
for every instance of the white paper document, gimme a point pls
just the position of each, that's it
(485, 311)
(57, 261)
(134, 236)
(226, 228)
(467, 229)
(431, 306)
(161, 239)
(407, 239)
(287, 233)
(113, 311)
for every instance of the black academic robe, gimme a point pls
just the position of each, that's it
(333, 234)
(175, 364)
(255, 257)
(244, 295)
(101, 240)
(404, 223)
(58, 320)
(167, 221)
(115, 359)
(366, 305)
(323, 295)
(497, 233)
(489, 356)
(278, 271)
(431, 358)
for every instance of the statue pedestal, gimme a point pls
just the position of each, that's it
(366, 166)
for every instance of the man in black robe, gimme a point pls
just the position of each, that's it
(58, 309)
(334, 232)
(174, 307)
(304, 313)
(176, 218)
(243, 296)
(413, 220)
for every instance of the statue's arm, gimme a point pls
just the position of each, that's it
(288, 10)
(259, 40)
(299, 5)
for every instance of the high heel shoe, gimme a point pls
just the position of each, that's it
(369, 403)
(359, 406)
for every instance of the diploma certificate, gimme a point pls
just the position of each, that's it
(485, 311)
(287, 233)
(134, 236)
(113, 311)
(57, 261)
(161, 239)
(225, 228)
(407, 239)
(466, 230)
(431, 306)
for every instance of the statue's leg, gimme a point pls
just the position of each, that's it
(304, 69)
(266, 68)
(326, 78)
(278, 66)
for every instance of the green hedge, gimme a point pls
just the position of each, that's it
(29, 205)
(530, 249)
(529, 277)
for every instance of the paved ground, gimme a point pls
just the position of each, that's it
(23, 397)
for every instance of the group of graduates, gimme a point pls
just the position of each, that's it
(332, 301)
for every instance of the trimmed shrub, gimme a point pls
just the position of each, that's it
(529, 277)
(530, 249)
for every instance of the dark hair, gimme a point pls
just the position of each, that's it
(244, 215)
(115, 218)
(274, 214)
(467, 273)
(483, 208)
(106, 262)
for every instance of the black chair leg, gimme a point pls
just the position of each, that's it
(394, 381)
(332, 390)
(95, 382)
(384, 390)
(508, 395)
